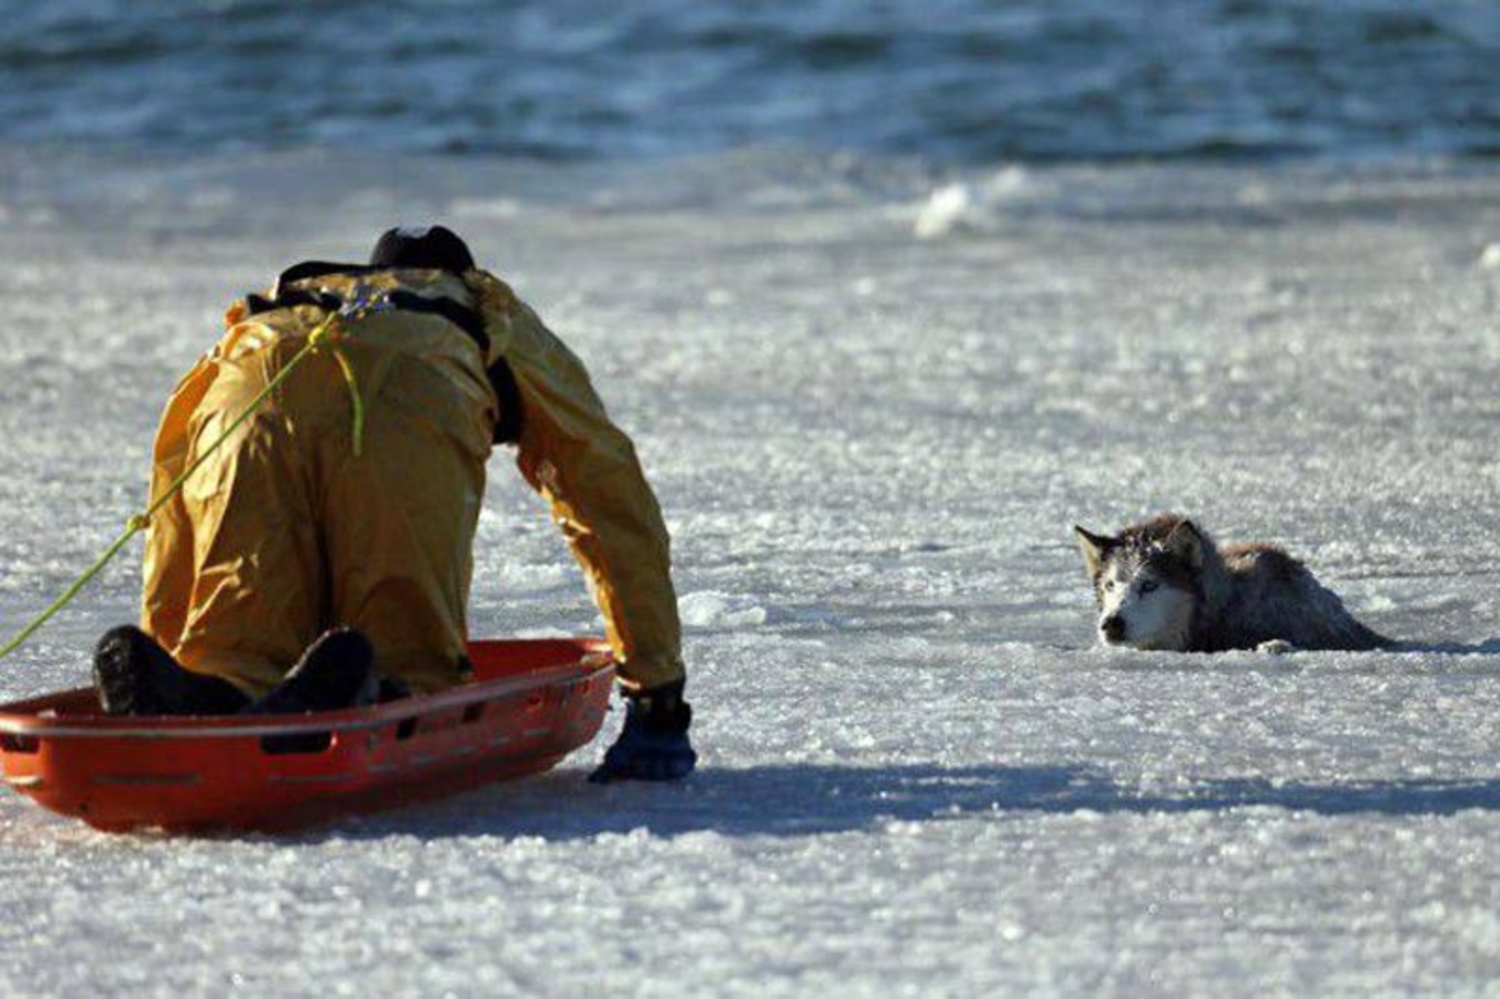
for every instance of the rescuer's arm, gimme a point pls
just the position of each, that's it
(587, 469)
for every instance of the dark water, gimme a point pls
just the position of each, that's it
(954, 80)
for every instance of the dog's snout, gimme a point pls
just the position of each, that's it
(1113, 627)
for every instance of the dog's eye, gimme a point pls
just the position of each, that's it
(1149, 586)
(1109, 584)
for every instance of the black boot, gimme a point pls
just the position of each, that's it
(654, 743)
(392, 689)
(136, 676)
(337, 671)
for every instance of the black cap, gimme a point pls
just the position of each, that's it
(431, 247)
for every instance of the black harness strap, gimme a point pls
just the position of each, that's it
(502, 379)
(327, 301)
(321, 268)
(461, 316)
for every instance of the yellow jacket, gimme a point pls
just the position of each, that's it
(285, 532)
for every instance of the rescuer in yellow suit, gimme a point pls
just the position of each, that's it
(320, 557)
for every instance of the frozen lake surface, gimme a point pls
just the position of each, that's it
(874, 397)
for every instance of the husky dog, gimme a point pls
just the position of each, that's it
(1164, 584)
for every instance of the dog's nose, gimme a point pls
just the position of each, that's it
(1113, 627)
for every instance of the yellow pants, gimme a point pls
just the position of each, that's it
(285, 533)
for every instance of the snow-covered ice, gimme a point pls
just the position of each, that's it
(916, 777)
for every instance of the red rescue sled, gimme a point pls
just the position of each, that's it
(531, 704)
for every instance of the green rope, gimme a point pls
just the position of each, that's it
(109, 553)
(356, 402)
(316, 341)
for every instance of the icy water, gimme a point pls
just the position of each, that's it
(968, 80)
(874, 396)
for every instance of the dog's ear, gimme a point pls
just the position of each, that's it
(1186, 543)
(1094, 549)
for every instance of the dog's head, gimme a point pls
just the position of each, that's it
(1147, 583)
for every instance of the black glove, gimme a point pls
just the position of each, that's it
(654, 744)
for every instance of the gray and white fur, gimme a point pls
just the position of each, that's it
(1163, 584)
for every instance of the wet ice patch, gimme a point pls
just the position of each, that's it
(946, 211)
(1010, 182)
(712, 609)
(480, 209)
(961, 206)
